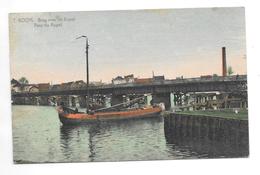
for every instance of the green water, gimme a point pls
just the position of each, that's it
(38, 136)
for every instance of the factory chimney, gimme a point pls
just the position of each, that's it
(224, 64)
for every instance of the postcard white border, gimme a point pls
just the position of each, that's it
(216, 166)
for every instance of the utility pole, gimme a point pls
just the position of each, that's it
(87, 72)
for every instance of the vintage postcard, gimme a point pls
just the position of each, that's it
(158, 84)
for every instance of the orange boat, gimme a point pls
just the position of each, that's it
(69, 116)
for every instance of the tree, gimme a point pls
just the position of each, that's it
(23, 80)
(230, 70)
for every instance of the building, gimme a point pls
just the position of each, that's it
(16, 86)
(143, 80)
(55, 87)
(29, 88)
(96, 83)
(78, 84)
(158, 78)
(66, 86)
(118, 80)
(123, 80)
(43, 87)
(130, 78)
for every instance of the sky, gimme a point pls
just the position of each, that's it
(170, 42)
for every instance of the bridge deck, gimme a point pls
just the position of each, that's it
(223, 84)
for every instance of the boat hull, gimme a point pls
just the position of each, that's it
(82, 118)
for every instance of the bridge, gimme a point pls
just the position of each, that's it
(160, 90)
(222, 84)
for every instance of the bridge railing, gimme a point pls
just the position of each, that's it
(165, 82)
(153, 83)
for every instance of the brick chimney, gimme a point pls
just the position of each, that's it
(224, 64)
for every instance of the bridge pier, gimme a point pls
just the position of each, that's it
(72, 101)
(17, 100)
(173, 102)
(58, 100)
(162, 98)
(53, 101)
(37, 101)
(82, 101)
(107, 101)
(225, 97)
(43, 101)
(148, 100)
(28, 100)
(77, 103)
(244, 104)
(34, 101)
(190, 100)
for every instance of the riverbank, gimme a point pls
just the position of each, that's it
(242, 114)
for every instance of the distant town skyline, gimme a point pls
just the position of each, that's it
(170, 42)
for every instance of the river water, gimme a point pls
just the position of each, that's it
(38, 137)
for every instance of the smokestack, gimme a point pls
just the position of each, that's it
(224, 64)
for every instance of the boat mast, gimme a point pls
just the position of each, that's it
(87, 72)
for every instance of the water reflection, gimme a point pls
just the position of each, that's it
(106, 141)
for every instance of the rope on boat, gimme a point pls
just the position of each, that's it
(119, 104)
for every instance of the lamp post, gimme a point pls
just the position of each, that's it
(87, 71)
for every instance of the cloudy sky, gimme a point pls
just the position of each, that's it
(176, 42)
